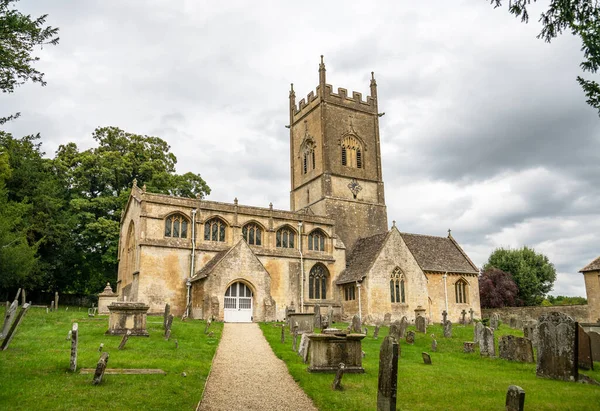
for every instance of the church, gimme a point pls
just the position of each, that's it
(333, 248)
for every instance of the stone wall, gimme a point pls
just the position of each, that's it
(576, 312)
(437, 296)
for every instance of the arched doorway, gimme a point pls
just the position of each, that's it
(238, 303)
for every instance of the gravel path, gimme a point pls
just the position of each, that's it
(246, 375)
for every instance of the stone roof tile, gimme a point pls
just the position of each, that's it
(438, 254)
(593, 266)
(361, 258)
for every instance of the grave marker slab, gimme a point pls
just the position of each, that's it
(100, 368)
(471, 313)
(403, 326)
(337, 381)
(376, 332)
(410, 337)
(387, 382)
(468, 347)
(426, 358)
(515, 398)
(13, 328)
(317, 319)
(74, 342)
(514, 348)
(304, 347)
(494, 321)
(557, 348)
(9, 316)
(584, 354)
(434, 345)
(387, 319)
(283, 334)
(478, 332)
(168, 326)
(330, 315)
(463, 317)
(486, 344)
(444, 317)
(421, 324)
(166, 316)
(448, 329)
(595, 343)
(395, 330)
(356, 325)
(124, 339)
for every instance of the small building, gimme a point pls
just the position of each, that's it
(591, 275)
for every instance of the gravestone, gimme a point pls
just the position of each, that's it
(530, 330)
(403, 326)
(395, 330)
(176, 344)
(74, 341)
(356, 326)
(448, 329)
(13, 328)
(304, 347)
(595, 343)
(366, 331)
(330, 315)
(494, 321)
(486, 344)
(9, 316)
(557, 348)
(56, 300)
(387, 319)
(434, 345)
(283, 334)
(376, 332)
(421, 324)
(468, 347)
(410, 337)
(324, 323)
(168, 326)
(444, 317)
(51, 306)
(295, 342)
(515, 348)
(124, 340)
(426, 358)
(584, 354)
(207, 326)
(463, 317)
(100, 347)
(166, 316)
(387, 382)
(515, 398)
(317, 319)
(477, 332)
(471, 313)
(337, 381)
(69, 334)
(513, 322)
(100, 368)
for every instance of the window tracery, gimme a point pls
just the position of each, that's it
(176, 226)
(317, 282)
(316, 241)
(285, 237)
(397, 286)
(352, 152)
(460, 289)
(252, 233)
(214, 230)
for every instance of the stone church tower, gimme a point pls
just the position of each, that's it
(335, 159)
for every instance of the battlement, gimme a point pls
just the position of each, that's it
(341, 98)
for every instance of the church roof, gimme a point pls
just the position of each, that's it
(593, 266)
(438, 253)
(208, 267)
(361, 258)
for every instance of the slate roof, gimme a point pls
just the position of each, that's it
(438, 254)
(205, 271)
(361, 258)
(593, 266)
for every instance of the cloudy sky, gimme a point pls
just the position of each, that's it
(486, 131)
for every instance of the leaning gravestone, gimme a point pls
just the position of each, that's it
(14, 326)
(403, 326)
(387, 382)
(356, 326)
(486, 344)
(304, 347)
(317, 319)
(557, 350)
(515, 398)
(494, 321)
(337, 381)
(515, 348)
(421, 324)
(426, 358)
(124, 340)
(584, 353)
(595, 343)
(387, 319)
(9, 317)
(74, 341)
(448, 329)
(477, 332)
(410, 337)
(100, 368)
(395, 330)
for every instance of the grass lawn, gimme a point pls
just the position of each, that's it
(455, 381)
(34, 370)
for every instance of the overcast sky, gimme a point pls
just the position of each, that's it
(486, 131)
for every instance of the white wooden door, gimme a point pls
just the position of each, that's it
(238, 304)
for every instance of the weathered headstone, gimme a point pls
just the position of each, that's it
(166, 316)
(366, 331)
(295, 341)
(515, 398)
(403, 326)
(124, 339)
(530, 331)
(304, 347)
(24, 298)
(471, 313)
(9, 316)
(168, 326)
(444, 317)
(421, 324)
(330, 315)
(512, 322)
(211, 334)
(74, 341)
(100, 347)
(56, 300)
(494, 321)
(463, 317)
(51, 306)
(91, 312)
(515, 348)
(448, 329)
(176, 344)
(478, 332)
(206, 326)
(13, 328)
(468, 347)
(283, 334)
(376, 332)
(584, 353)
(387, 319)
(317, 320)
(434, 345)
(100, 368)
(410, 337)
(356, 325)
(595, 343)
(557, 348)
(426, 358)
(486, 344)
(387, 383)
(69, 334)
(395, 330)
(337, 381)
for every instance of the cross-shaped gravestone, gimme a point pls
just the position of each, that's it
(463, 315)
(444, 317)
(472, 313)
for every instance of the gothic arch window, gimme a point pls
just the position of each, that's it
(316, 241)
(398, 286)
(214, 230)
(285, 237)
(308, 157)
(352, 152)
(252, 233)
(176, 226)
(460, 289)
(317, 282)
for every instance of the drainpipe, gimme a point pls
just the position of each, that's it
(445, 289)
(301, 266)
(188, 283)
(359, 304)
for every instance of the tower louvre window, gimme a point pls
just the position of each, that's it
(352, 152)
(358, 158)
(344, 158)
(308, 157)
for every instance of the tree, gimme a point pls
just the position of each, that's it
(497, 289)
(19, 35)
(533, 273)
(581, 18)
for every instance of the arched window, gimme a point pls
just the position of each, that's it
(316, 241)
(460, 289)
(285, 238)
(308, 157)
(176, 226)
(317, 282)
(214, 230)
(397, 286)
(352, 152)
(252, 233)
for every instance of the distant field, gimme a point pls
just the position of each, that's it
(455, 381)
(34, 370)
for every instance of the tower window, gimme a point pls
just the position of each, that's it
(397, 286)
(176, 226)
(214, 230)
(308, 157)
(352, 152)
(252, 233)
(317, 282)
(285, 238)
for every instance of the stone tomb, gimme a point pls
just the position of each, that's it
(557, 347)
(305, 322)
(106, 298)
(515, 348)
(127, 316)
(327, 351)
